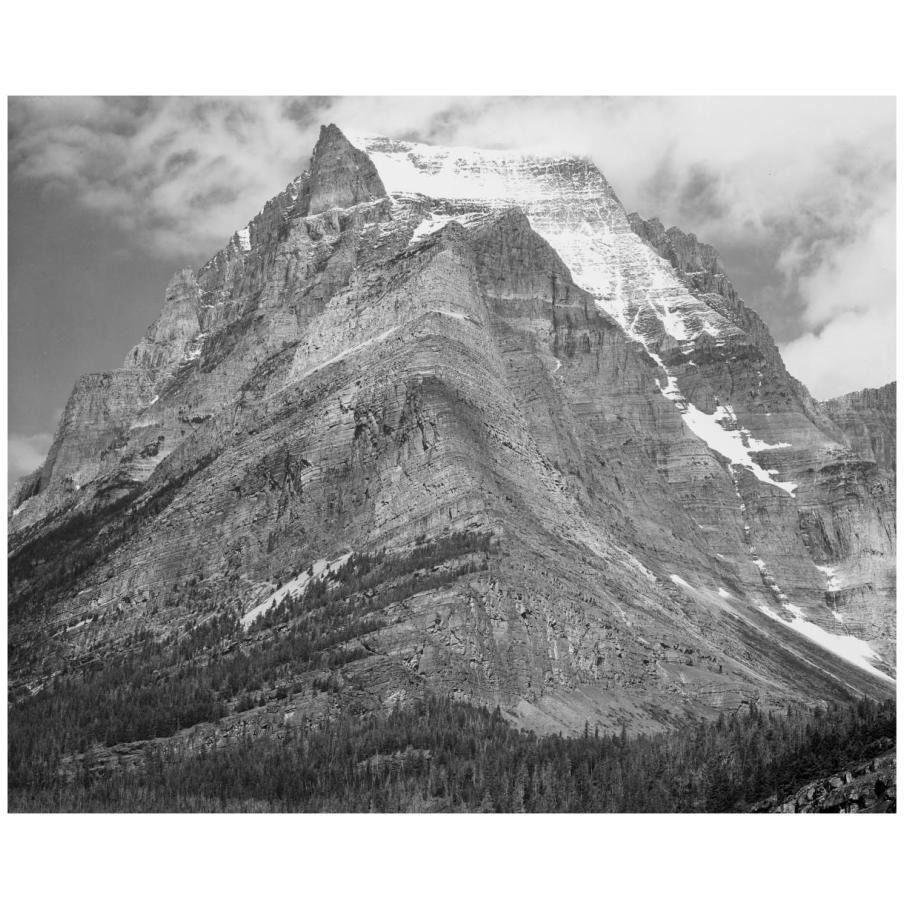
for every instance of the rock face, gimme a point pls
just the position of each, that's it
(169, 340)
(413, 345)
(868, 421)
(698, 266)
(341, 175)
(94, 426)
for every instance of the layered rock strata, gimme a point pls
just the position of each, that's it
(409, 345)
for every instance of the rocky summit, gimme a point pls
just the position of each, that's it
(452, 422)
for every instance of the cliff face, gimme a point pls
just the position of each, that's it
(410, 346)
(868, 421)
(95, 424)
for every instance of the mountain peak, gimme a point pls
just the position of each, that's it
(341, 175)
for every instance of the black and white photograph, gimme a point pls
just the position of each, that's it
(485, 453)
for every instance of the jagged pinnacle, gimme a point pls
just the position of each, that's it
(341, 175)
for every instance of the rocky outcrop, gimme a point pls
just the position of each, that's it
(869, 786)
(683, 251)
(380, 375)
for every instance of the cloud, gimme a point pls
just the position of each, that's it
(854, 276)
(847, 285)
(188, 169)
(851, 352)
(177, 175)
(802, 186)
(26, 453)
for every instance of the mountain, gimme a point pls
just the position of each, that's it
(448, 421)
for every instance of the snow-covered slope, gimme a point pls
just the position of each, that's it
(569, 202)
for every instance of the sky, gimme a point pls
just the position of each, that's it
(109, 196)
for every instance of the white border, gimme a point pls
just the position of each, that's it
(417, 48)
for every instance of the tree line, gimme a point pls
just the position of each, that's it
(436, 754)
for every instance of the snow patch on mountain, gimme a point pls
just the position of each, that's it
(434, 222)
(344, 353)
(833, 584)
(454, 172)
(721, 432)
(320, 568)
(850, 648)
(193, 352)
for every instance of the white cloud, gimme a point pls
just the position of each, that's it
(186, 170)
(26, 453)
(853, 351)
(849, 313)
(855, 276)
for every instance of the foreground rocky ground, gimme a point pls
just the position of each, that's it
(869, 786)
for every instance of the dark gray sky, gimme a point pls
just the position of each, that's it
(107, 197)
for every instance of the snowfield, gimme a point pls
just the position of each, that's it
(850, 648)
(296, 585)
